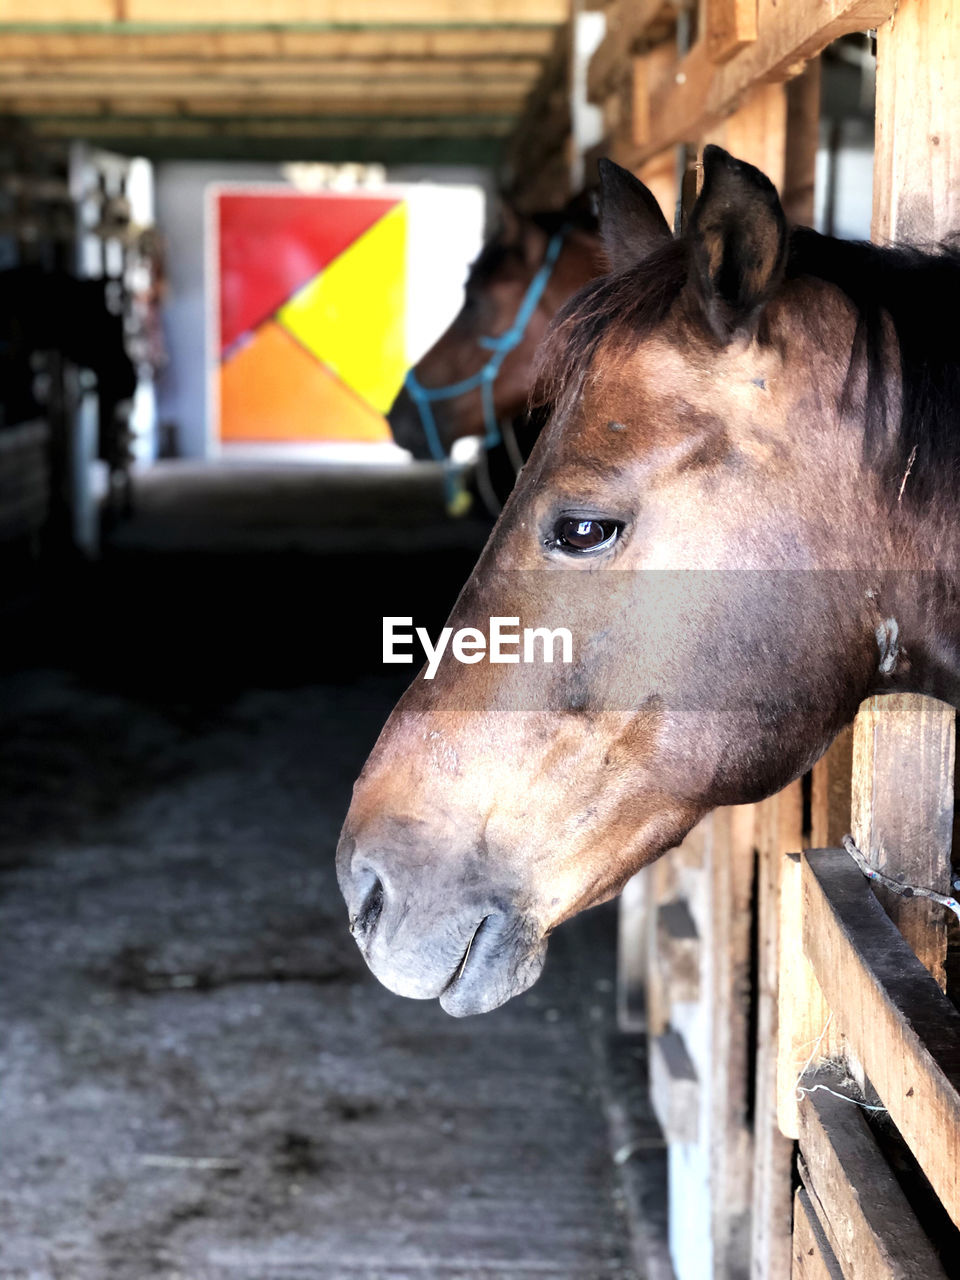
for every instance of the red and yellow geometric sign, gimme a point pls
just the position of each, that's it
(312, 314)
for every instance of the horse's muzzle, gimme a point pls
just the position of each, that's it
(406, 426)
(420, 941)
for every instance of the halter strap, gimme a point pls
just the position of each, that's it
(500, 347)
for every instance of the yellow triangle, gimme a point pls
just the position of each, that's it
(351, 316)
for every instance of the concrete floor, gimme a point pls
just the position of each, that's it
(199, 1078)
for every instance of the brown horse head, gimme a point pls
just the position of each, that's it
(743, 507)
(498, 283)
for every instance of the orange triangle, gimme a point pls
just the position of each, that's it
(272, 389)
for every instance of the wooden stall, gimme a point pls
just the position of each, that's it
(804, 1048)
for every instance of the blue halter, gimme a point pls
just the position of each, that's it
(500, 346)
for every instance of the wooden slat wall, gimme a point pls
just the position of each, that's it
(838, 979)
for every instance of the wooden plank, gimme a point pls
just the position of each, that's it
(812, 1257)
(807, 1033)
(60, 11)
(256, 90)
(648, 70)
(268, 71)
(238, 107)
(899, 1024)
(674, 1089)
(902, 810)
(731, 24)
(804, 1027)
(875, 1234)
(629, 24)
(757, 132)
(916, 184)
(277, 43)
(259, 12)
(803, 141)
(726, 987)
(281, 130)
(692, 96)
(780, 831)
(830, 793)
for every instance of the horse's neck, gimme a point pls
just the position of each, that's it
(922, 600)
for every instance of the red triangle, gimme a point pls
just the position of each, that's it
(273, 242)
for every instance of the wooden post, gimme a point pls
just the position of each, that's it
(906, 828)
(830, 793)
(757, 132)
(902, 813)
(916, 173)
(780, 832)
(803, 139)
(727, 983)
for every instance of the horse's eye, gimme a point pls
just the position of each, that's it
(577, 536)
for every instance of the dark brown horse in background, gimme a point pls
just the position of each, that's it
(560, 251)
(745, 507)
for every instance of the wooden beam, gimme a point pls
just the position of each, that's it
(268, 72)
(902, 810)
(916, 173)
(238, 107)
(629, 24)
(731, 24)
(872, 1229)
(813, 1259)
(260, 12)
(255, 90)
(61, 11)
(899, 1024)
(693, 95)
(208, 45)
(180, 127)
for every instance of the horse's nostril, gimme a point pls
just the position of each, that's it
(365, 921)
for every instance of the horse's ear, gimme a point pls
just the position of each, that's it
(632, 225)
(738, 239)
(511, 224)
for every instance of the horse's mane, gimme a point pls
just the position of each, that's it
(914, 290)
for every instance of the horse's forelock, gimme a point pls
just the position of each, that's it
(616, 309)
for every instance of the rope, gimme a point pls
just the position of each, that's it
(905, 890)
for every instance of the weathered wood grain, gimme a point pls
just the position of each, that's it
(916, 174)
(902, 810)
(695, 94)
(899, 1024)
(813, 1259)
(871, 1227)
